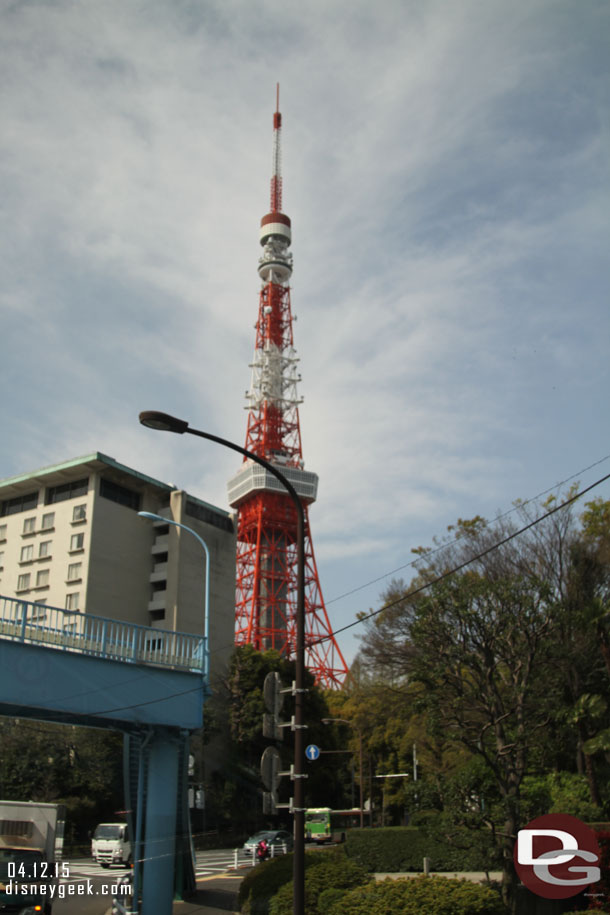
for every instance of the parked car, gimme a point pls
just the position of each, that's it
(279, 841)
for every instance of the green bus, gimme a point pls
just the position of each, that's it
(325, 825)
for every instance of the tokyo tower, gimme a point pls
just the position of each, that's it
(266, 586)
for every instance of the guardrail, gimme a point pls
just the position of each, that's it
(100, 637)
(242, 858)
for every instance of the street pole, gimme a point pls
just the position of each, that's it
(167, 423)
(359, 733)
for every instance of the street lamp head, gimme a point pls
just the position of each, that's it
(163, 421)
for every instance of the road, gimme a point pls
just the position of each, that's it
(87, 890)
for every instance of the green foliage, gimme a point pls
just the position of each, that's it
(329, 873)
(247, 671)
(596, 520)
(267, 881)
(234, 789)
(420, 896)
(599, 743)
(328, 897)
(557, 792)
(403, 849)
(75, 766)
(257, 887)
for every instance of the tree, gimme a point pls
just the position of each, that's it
(236, 712)
(56, 763)
(479, 646)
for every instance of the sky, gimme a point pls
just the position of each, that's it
(446, 169)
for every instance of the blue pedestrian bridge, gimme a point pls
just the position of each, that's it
(76, 668)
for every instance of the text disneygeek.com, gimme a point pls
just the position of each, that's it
(65, 890)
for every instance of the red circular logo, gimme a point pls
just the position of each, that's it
(557, 856)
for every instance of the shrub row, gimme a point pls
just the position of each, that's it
(263, 881)
(403, 849)
(331, 875)
(336, 885)
(419, 896)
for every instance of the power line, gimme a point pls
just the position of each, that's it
(408, 593)
(445, 546)
(475, 558)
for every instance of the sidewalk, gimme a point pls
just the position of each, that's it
(215, 896)
(474, 876)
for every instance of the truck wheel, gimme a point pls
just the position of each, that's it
(129, 862)
(104, 864)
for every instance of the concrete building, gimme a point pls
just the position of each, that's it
(71, 537)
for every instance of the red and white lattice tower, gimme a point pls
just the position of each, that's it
(267, 521)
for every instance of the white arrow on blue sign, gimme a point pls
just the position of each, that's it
(312, 752)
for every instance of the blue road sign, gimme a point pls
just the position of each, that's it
(312, 752)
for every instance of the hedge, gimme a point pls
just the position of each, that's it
(332, 876)
(265, 880)
(257, 887)
(419, 896)
(403, 849)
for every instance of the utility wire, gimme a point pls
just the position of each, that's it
(406, 594)
(445, 546)
(467, 562)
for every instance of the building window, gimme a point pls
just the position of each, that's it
(66, 491)
(77, 542)
(29, 525)
(209, 516)
(27, 553)
(72, 601)
(2, 531)
(44, 548)
(74, 571)
(42, 578)
(119, 494)
(79, 513)
(39, 613)
(48, 521)
(23, 582)
(19, 504)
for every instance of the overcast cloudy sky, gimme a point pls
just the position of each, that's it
(446, 169)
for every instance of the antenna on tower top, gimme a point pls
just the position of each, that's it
(276, 176)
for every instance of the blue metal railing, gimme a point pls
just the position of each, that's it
(99, 636)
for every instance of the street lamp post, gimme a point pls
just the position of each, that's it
(206, 615)
(359, 733)
(166, 423)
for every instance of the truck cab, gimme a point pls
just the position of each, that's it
(111, 844)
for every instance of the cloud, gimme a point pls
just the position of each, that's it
(445, 168)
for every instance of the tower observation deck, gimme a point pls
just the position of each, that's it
(266, 586)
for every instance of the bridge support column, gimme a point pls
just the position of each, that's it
(160, 823)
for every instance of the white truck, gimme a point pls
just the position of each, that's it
(31, 844)
(111, 844)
